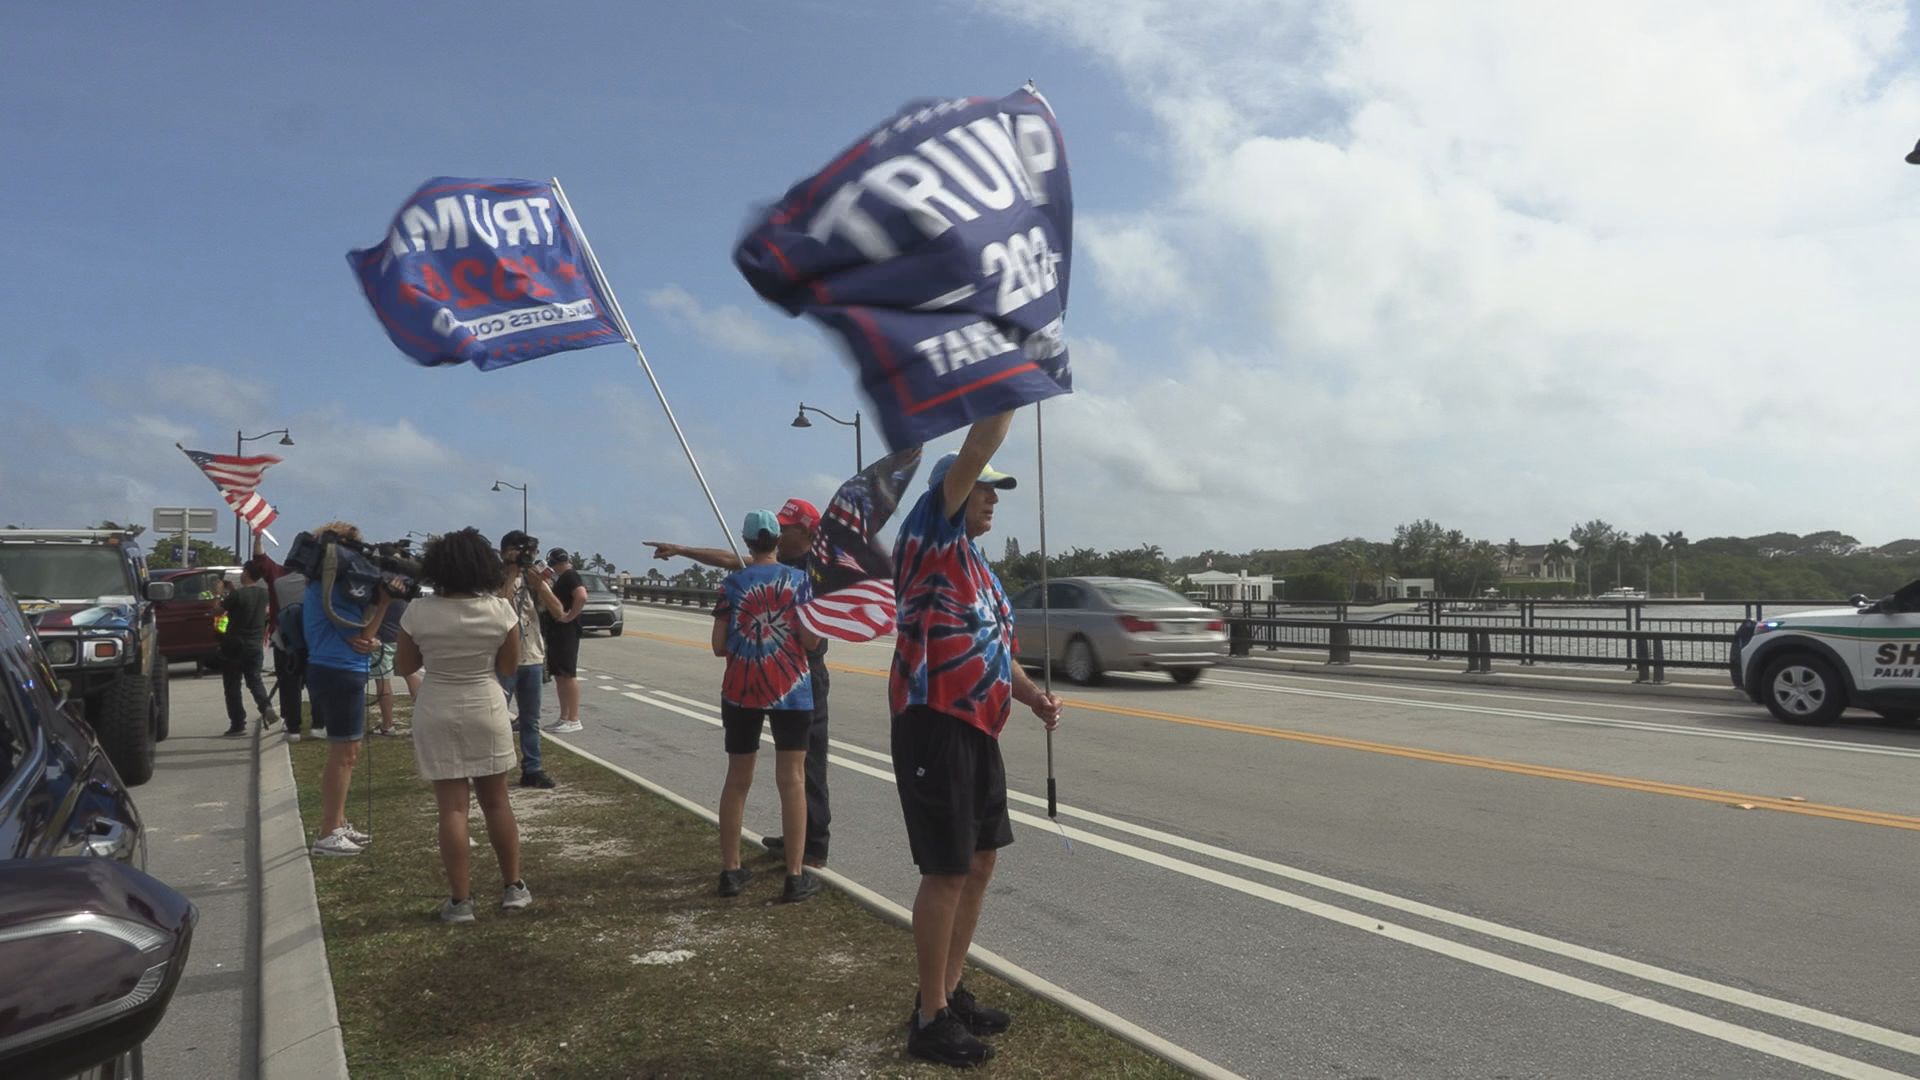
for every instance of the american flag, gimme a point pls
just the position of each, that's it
(852, 575)
(236, 478)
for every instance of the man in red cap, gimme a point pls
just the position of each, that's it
(799, 522)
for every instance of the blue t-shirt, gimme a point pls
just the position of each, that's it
(953, 646)
(766, 663)
(326, 643)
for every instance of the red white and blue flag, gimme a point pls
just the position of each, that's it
(484, 271)
(852, 574)
(937, 247)
(237, 478)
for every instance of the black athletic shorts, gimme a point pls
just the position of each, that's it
(953, 789)
(742, 726)
(563, 650)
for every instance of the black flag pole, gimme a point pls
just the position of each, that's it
(1046, 607)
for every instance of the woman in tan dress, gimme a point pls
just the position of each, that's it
(464, 637)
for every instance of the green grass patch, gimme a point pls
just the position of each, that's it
(573, 986)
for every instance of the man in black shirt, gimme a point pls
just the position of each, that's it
(563, 639)
(799, 522)
(243, 649)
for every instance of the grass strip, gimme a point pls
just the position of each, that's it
(628, 964)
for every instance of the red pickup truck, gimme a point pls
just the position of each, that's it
(186, 621)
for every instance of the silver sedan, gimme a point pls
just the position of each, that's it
(1101, 624)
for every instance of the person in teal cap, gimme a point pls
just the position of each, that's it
(756, 627)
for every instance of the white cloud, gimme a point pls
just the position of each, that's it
(1498, 264)
(194, 389)
(792, 351)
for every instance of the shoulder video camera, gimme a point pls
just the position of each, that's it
(359, 568)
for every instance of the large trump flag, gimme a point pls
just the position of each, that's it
(487, 272)
(937, 247)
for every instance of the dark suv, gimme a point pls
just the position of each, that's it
(87, 595)
(91, 947)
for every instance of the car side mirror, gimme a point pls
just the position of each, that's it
(105, 945)
(159, 590)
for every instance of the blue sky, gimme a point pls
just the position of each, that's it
(1340, 265)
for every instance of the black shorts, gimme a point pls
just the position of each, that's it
(953, 789)
(742, 726)
(563, 650)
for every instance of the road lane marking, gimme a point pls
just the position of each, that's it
(1509, 695)
(1750, 1038)
(979, 954)
(1854, 815)
(1591, 721)
(1787, 1010)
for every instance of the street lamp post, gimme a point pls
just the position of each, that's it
(522, 489)
(239, 441)
(800, 420)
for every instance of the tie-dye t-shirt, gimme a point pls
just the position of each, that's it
(766, 663)
(953, 651)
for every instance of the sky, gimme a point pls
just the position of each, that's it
(1339, 266)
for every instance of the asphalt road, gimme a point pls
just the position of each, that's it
(1306, 876)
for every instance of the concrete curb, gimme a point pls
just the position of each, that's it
(999, 965)
(300, 1037)
(1450, 674)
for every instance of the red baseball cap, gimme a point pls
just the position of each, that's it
(799, 512)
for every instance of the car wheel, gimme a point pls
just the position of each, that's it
(1186, 675)
(163, 725)
(122, 718)
(1082, 666)
(1803, 689)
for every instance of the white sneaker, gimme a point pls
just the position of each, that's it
(461, 912)
(335, 843)
(516, 896)
(556, 725)
(293, 736)
(359, 838)
(569, 728)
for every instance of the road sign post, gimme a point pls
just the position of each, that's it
(182, 520)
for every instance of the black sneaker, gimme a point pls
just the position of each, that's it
(947, 1042)
(237, 729)
(734, 882)
(776, 845)
(800, 886)
(536, 780)
(979, 1019)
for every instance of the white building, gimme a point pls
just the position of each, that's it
(1220, 585)
(1413, 588)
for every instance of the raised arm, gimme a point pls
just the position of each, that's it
(716, 557)
(983, 438)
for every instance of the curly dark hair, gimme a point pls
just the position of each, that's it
(463, 563)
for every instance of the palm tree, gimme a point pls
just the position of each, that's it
(1674, 541)
(1647, 547)
(1559, 553)
(1514, 552)
(1590, 548)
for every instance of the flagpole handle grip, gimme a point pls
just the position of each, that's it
(1053, 800)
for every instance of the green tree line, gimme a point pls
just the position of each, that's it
(1595, 554)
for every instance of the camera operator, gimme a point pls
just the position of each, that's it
(562, 631)
(339, 642)
(531, 597)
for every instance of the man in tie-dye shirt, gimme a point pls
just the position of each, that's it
(952, 685)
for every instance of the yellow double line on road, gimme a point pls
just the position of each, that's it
(1440, 757)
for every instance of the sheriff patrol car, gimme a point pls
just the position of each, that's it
(1809, 666)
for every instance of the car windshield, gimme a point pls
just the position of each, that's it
(64, 571)
(1142, 594)
(596, 583)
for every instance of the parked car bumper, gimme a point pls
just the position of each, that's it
(1189, 651)
(601, 618)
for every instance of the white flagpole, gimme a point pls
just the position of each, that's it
(626, 331)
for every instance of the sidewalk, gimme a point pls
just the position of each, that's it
(223, 826)
(202, 831)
